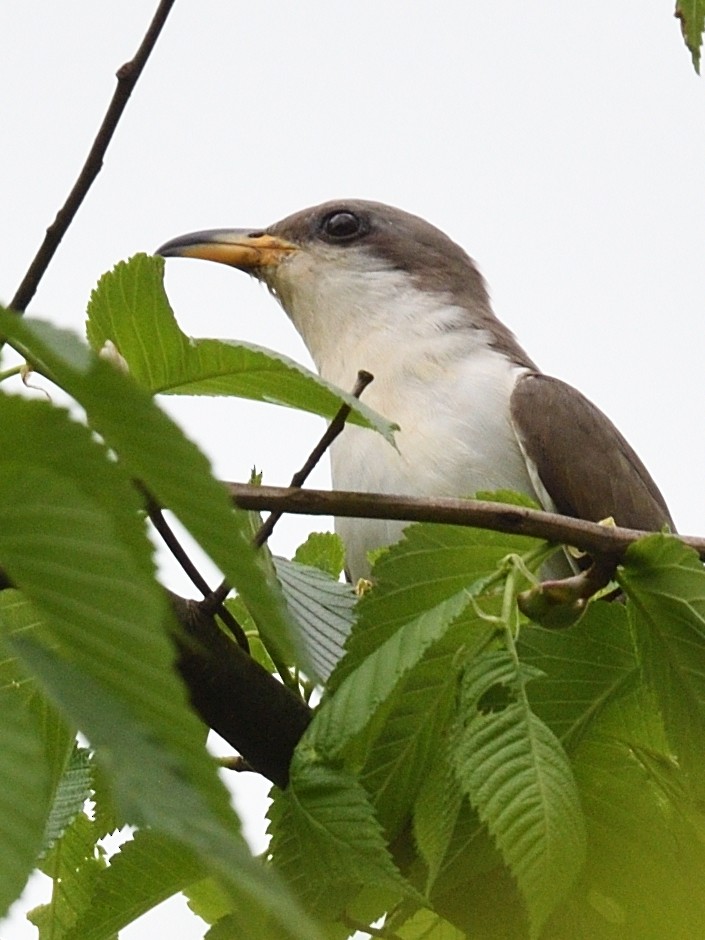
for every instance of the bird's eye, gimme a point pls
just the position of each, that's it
(342, 226)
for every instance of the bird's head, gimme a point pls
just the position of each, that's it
(351, 269)
(353, 274)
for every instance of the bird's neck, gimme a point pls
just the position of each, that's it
(389, 327)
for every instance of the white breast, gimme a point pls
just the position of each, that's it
(455, 439)
(445, 387)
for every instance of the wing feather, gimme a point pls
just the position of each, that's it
(585, 465)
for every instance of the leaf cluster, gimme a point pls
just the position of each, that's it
(465, 772)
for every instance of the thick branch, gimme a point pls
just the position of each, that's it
(127, 77)
(261, 718)
(500, 517)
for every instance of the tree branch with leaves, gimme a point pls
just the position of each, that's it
(445, 765)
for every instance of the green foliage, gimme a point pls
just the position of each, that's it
(27, 774)
(148, 869)
(323, 607)
(323, 550)
(467, 773)
(130, 309)
(691, 14)
(513, 770)
(74, 864)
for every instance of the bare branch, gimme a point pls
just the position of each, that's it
(127, 77)
(499, 517)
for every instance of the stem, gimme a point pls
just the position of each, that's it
(8, 373)
(127, 77)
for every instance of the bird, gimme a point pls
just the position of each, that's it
(372, 287)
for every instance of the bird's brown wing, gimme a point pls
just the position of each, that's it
(586, 466)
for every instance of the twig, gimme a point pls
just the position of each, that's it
(127, 77)
(330, 434)
(156, 517)
(298, 480)
(500, 517)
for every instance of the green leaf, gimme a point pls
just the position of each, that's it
(324, 550)
(323, 607)
(346, 713)
(38, 437)
(130, 308)
(35, 749)
(583, 669)
(430, 564)
(518, 777)
(75, 787)
(208, 900)
(153, 449)
(691, 14)
(436, 813)
(25, 790)
(426, 925)
(401, 746)
(665, 582)
(147, 870)
(326, 840)
(73, 864)
(99, 644)
(646, 833)
(177, 792)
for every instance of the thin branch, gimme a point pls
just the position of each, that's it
(127, 77)
(158, 520)
(156, 517)
(332, 431)
(299, 478)
(500, 517)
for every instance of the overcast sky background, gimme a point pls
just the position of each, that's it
(563, 145)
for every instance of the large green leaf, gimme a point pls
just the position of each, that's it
(583, 668)
(129, 308)
(407, 736)
(97, 638)
(646, 833)
(326, 840)
(430, 564)
(153, 449)
(355, 703)
(36, 745)
(436, 812)
(147, 870)
(665, 582)
(178, 793)
(518, 777)
(25, 776)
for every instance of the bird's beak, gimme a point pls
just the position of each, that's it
(241, 248)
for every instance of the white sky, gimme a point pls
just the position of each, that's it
(561, 144)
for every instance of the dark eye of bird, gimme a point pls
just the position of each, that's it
(342, 226)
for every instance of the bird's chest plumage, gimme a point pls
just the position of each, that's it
(435, 374)
(455, 434)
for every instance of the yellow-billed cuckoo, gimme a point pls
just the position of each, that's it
(371, 287)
